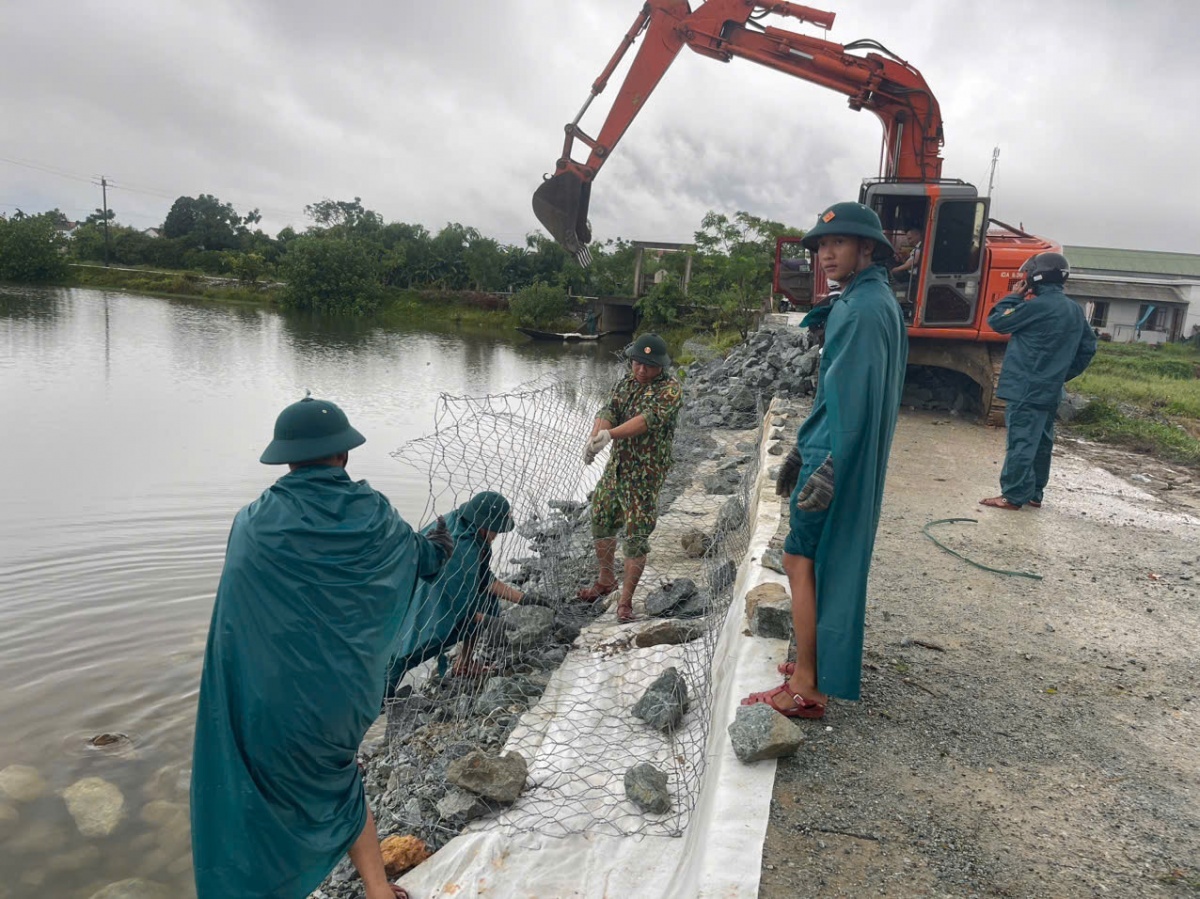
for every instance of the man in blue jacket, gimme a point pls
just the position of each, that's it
(319, 571)
(1051, 343)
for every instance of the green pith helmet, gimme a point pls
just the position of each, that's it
(310, 429)
(651, 349)
(853, 219)
(489, 511)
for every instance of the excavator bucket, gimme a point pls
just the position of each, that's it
(561, 205)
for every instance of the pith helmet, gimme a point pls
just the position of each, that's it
(488, 510)
(853, 219)
(310, 429)
(651, 349)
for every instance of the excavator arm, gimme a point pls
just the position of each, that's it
(722, 30)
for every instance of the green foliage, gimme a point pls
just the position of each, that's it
(1161, 381)
(205, 223)
(1103, 420)
(246, 267)
(31, 250)
(539, 306)
(662, 305)
(331, 274)
(735, 261)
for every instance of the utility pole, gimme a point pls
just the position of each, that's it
(104, 194)
(992, 176)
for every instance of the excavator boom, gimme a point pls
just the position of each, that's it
(723, 30)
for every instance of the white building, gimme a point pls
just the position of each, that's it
(1137, 295)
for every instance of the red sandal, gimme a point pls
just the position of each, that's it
(787, 669)
(999, 502)
(595, 592)
(625, 613)
(804, 708)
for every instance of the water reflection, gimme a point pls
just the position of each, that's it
(133, 428)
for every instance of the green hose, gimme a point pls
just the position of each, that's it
(925, 531)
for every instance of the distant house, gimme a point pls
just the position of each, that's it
(67, 228)
(1137, 295)
(152, 232)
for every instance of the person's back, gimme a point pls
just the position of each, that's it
(1048, 331)
(318, 572)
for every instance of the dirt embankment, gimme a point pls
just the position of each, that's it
(1016, 737)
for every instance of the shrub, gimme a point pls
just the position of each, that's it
(661, 304)
(327, 274)
(539, 306)
(30, 250)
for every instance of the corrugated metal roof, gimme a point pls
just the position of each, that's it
(1143, 262)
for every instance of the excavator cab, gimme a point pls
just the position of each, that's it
(561, 205)
(942, 289)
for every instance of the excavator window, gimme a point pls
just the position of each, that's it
(958, 241)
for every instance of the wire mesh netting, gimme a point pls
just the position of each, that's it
(561, 681)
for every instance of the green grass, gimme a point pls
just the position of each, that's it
(177, 284)
(1146, 398)
(410, 309)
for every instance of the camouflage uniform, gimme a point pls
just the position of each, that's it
(628, 490)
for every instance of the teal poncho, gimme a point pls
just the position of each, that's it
(853, 419)
(443, 609)
(318, 573)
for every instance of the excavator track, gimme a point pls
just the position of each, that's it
(994, 414)
(981, 362)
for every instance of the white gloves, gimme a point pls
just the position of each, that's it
(594, 445)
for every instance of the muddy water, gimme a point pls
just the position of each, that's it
(131, 431)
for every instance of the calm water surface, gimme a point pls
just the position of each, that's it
(131, 428)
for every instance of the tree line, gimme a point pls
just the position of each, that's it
(349, 256)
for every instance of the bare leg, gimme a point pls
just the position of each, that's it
(368, 861)
(802, 580)
(633, 573)
(606, 553)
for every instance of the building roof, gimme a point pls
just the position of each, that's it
(1146, 262)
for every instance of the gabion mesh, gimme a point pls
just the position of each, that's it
(563, 674)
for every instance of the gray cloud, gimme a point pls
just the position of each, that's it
(453, 111)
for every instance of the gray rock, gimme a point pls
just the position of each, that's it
(720, 484)
(775, 449)
(723, 576)
(502, 692)
(1071, 405)
(665, 701)
(731, 517)
(646, 787)
(773, 559)
(667, 633)
(742, 399)
(772, 618)
(462, 805)
(134, 888)
(661, 602)
(499, 778)
(697, 605)
(527, 626)
(759, 732)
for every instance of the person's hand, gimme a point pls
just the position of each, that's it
(789, 473)
(535, 597)
(817, 492)
(595, 445)
(440, 537)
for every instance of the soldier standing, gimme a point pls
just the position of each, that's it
(639, 420)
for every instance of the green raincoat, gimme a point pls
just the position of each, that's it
(319, 571)
(853, 419)
(443, 609)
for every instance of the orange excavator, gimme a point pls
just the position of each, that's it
(964, 265)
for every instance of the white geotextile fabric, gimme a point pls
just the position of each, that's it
(719, 855)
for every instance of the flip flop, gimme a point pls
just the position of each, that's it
(804, 708)
(999, 502)
(595, 592)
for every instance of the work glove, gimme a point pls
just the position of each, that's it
(817, 492)
(595, 445)
(440, 537)
(789, 473)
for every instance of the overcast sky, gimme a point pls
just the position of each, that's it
(435, 112)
